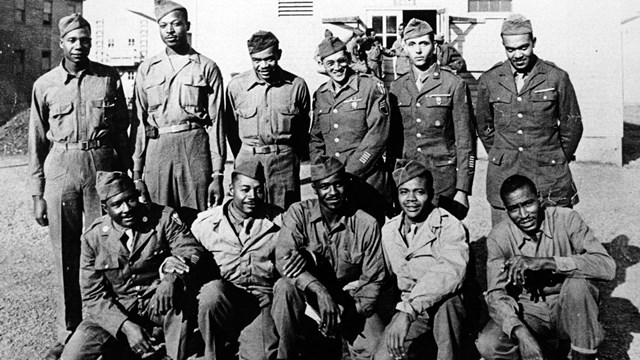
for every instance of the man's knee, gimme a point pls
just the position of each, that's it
(285, 290)
(493, 343)
(574, 288)
(212, 295)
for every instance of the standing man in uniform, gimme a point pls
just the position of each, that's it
(448, 56)
(402, 64)
(432, 107)
(528, 120)
(180, 146)
(123, 254)
(351, 123)
(343, 281)
(267, 118)
(78, 124)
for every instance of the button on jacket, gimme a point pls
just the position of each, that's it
(433, 126)
(432, 266)
(190, 94)
(259, 113)
(534, 132)
(565, 237)
(244, 258)
(352, 125)
(352, 249)
(114, 280)
(71, 109)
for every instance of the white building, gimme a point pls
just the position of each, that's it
(581, 36)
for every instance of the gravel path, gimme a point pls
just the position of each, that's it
(610, 203)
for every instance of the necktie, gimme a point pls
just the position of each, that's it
(129, 237)
(519, 81)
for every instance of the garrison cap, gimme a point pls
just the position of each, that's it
(329, 46)
(262, 40)
(516, 24)
(72, 22)
(325, 168)
(416, 28)
(110, 183)
(410, 171)
(251, 168)
(163, 7)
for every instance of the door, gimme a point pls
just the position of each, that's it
(385, 24)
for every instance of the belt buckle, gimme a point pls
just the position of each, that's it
(84, 145)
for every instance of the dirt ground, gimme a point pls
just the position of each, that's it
(610, 203)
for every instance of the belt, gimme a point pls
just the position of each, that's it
(154, 132)
(269, 149)
(81, 145)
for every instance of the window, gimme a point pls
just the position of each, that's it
(386, 28)
(18, 62)
(20, 14)
(46, 60)
(46, 12)
(295, 7)
(130, 75)
(132, 42)
(110, 43)
(489, 5)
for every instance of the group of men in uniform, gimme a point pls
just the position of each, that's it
(264, 274)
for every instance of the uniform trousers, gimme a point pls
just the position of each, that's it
(289, 304)
(230, 314)
(177, 171)
(70, 194)
(437, 335)
(90, 340)
(281, 172)
(572, 314)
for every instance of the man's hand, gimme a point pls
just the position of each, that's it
(295, 264)
(263, 293)
(138, 338)
(144, 196)
(517, 265)
(216, 194)
(462, 198)
(40, 210)
(166, 296)
(527, 344)
(176, 265)
(398, 329)
(329, 310)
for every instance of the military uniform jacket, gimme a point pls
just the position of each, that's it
(534, 132)
(114, 280)
(245, 258)
(433, 126)
(352, 125)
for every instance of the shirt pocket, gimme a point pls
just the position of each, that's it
(155, 94)
(61, 123)
(544, 103)
(285, 116)
(193, 93)
(438, 101)
(500, 104)
(111, 267)
(354, 120)
(247, 121)
(100, 112)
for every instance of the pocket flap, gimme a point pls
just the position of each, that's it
(154, 83)
(496, 158)
(196, 81)
(247, 112)
(551, 158)
(436, 101)
(288, 110)
(107, 262)
(444, 161)
(62, 109)
(102, 103)
(500, 98)
(545, 96)
(404, 101)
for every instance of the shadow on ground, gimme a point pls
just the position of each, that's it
(618, 315)
(630, 143)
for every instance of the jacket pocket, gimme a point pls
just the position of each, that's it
(247, 121)
(495, 158)
(285, 116)
(435, 100)
(99, 112)
(111, 267)
(551, 158)
(155, 94)
(193, 93)
(61, 124)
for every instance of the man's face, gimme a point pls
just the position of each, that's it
(247, 193)
(173, 29)
(331, 191)
(414, 197)
(124, 208)
(523, 208)
(265, 62)
(337, 66)
(420, 50)
(400, 31)
(519, 50)
(76, 45)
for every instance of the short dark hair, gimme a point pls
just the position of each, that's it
(369, 31)
(515, 182)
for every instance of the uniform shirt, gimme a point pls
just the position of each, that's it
(450, 57)
(351, 123)
(245, 257)
(429, 265)
(403, 64)
(114, 280)
(190, 93)
(67, 108)
(352, 249)
(533, 132)
(436, 127)
(259, 113)
(564, 236)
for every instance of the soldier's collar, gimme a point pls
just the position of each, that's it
(191, 54)
(66, 76)
(279, 78)
(352, 83)
(433, 70)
